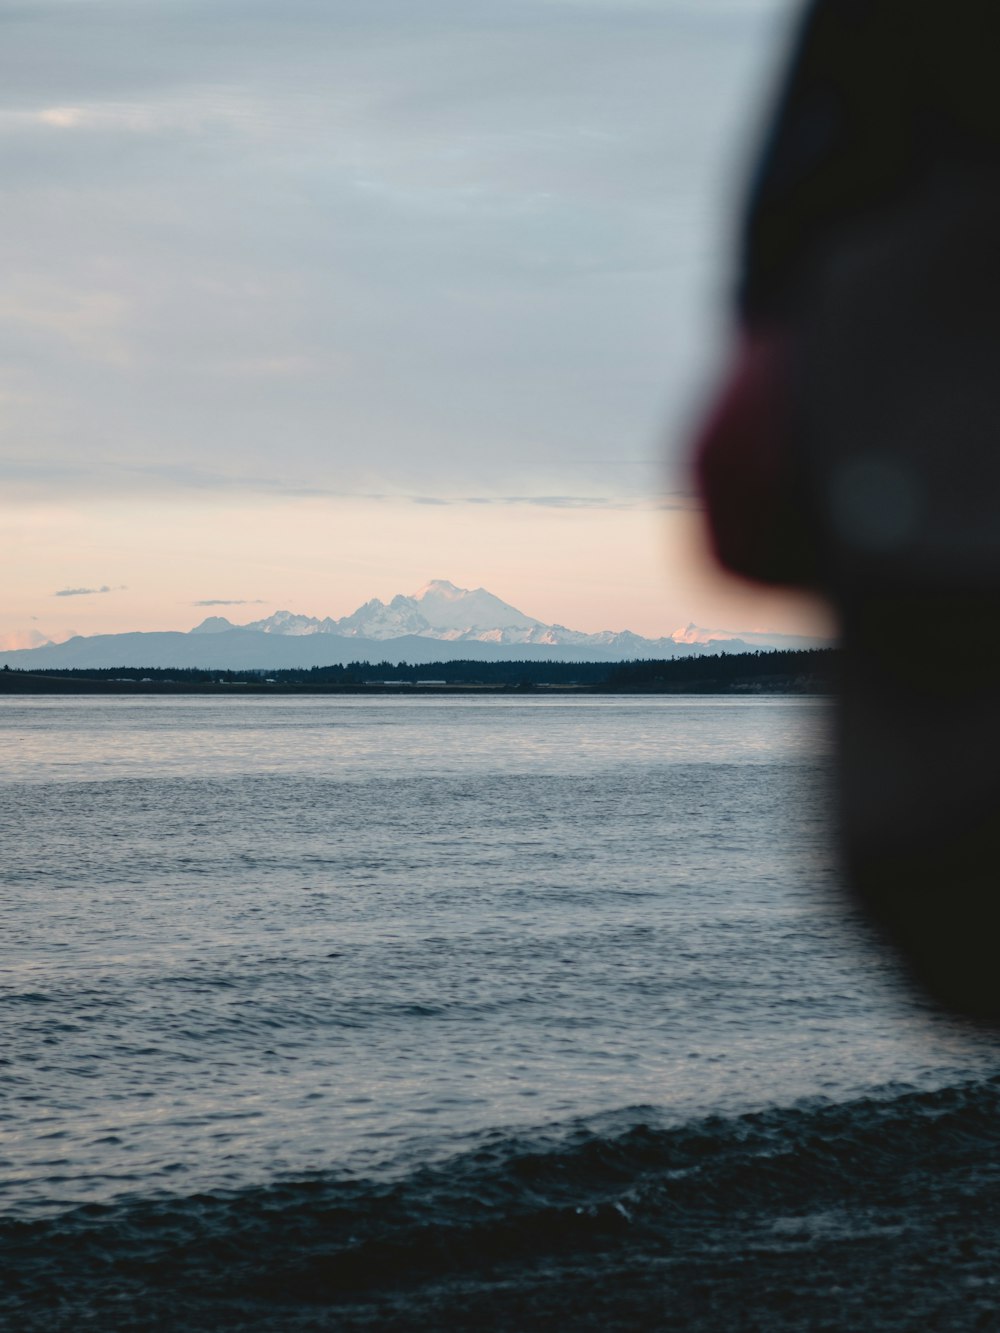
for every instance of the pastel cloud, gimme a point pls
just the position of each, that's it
(88, 592)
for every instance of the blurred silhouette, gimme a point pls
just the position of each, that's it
(854, 447)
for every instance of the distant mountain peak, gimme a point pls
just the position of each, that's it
(443, 611)
(442, 588)
(440, 622)
(467, 611)
(213, 625)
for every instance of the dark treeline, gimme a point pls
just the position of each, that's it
(811, 669)
(355, 673)
(459, 673)
(797, 671)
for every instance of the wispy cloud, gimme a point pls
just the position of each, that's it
(670, 500)
(88, 592)
(229, 601)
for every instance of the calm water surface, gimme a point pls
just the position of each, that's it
(247, 940)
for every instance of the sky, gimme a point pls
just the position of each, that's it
(311, 301)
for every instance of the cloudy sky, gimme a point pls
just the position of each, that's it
(308, 301)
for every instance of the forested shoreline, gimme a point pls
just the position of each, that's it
(806, 671)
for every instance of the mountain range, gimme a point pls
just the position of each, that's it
(441, 622)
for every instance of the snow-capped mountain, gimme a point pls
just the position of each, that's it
(438, 623)
(438, 611)
(442, 611)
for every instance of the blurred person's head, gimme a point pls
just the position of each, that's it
(852, 447)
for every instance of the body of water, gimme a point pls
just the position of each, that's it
(396, 1011)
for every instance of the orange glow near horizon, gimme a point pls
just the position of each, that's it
(642, 569)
